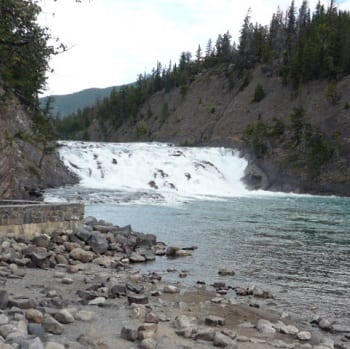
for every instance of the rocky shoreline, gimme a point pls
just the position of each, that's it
(83, 290)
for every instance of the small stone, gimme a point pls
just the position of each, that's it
(282, 345)
(3, 319)
(137, 258)
(34, 315)
(213, 320)
(137, 299)
(97, 301)
(35, 329)
(205, 334)
(182, 321)
(151, 317)
(325, 325)
(222, 341)
(81, 255)
(171, 289)
(304, 335)
(265, 327)
(3, 299)
(84, 315)
(64, 316)
(226, 272)
(146, 331)
(129, 333)
(67, 281)
(337, 328)
(148, 343)
(51, 325)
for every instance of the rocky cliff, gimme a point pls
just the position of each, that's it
(211, 111)
(25, 166)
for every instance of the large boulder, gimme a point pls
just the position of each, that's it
(98, 242)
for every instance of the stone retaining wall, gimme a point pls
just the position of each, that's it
(30, 218)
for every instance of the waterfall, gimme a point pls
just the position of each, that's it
(155, 171)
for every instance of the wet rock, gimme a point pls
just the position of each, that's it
(64, 316)
(145, 240)
(129, 333)
(137, 299)
(98, 242)
(51, 325)
(81, 255)
(213, 320)
(241, 291)
(34, 315)
(226, 272)
(222, 341)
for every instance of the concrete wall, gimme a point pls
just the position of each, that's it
(27, 218)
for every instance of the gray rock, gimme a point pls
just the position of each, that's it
(35, 329)
(137, 299)
(22, 303)
(226, 272)
(4, 298)
(98, 242)
(205, 334)
(171, 289)
(34, 315)
(81, 255)
(338, 328)
(182, 321)
(83, 234)
(97, 301)
(213, 320)
(84, 315)
(325, 325)
(222, 341)
(4, 319)
(304, 335)
(148, 343)
(137, 258)
(265, 327)
(51, 325)
(129, 333)
(117, 291)
(35, 343)
(64, 316)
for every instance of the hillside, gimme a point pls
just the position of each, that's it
(63, 105)
(281, 96)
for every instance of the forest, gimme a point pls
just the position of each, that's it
(303, 45)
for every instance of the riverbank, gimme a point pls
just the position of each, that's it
(84, 291)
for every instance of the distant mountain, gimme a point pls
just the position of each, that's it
(63, 105)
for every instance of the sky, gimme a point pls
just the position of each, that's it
(110, 42)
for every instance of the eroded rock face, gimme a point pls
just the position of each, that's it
(25, 168)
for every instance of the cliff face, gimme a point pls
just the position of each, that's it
(24, 167)
(210, 112)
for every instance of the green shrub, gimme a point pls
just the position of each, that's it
(142, 129)
(259, 93)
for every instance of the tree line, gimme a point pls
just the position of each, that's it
(300, 44)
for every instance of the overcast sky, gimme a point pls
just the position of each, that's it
(112, 41)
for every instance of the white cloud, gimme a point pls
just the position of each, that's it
(114, 40)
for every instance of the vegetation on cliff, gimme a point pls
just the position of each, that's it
(300, 45)
(25, 130)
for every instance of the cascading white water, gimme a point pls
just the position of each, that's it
(161, 170)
